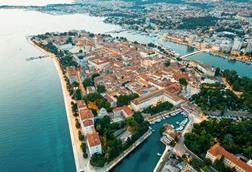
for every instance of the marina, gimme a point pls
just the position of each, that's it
(149, 157)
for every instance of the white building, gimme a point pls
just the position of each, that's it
(102, 113)
(204, 68)
(71, 74)
(87, 126)
(154, 98)
(98, 63)
(94, 143)
(237, 44)
(249, 46)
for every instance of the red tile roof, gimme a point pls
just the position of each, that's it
(71, 71)
(80, 104)
(86, 114)
(168, 126)
(178, 75)
(93, 139)
(88, 122)
(126, 111)
(174, 87)
(155, 93)
(217, 150)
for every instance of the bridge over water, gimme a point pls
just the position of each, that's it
(192, 54)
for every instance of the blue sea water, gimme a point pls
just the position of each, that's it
(34, 133)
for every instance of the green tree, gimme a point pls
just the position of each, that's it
(167, 63)
(77, 94)
(77, 124)
(183, 81)
(87, 82)
(217, 71)
(125, 99)
(97, 160)
(101, 89)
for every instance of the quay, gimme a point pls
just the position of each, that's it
(158, 116)
(162, 159)
(128, 151)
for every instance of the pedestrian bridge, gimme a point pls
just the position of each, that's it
(192, 54)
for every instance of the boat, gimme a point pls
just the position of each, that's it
(179, 128)
(152, 122)
(159, 120)
(177, 122)
(173, 114)
(158, 154)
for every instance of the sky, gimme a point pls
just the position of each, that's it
(33, 2)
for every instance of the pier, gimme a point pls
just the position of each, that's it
(34, 58)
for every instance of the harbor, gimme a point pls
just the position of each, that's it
(146, 156)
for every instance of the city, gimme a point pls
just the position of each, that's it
(133, 85)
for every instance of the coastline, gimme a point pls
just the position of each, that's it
(81, 164)
(222, 55)
(77, 152)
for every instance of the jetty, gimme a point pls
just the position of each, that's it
(34, 58)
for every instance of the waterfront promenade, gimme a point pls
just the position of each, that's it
(128, 151)
(162, 159)
(80, 163)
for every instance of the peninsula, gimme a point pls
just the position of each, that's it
(115, 89)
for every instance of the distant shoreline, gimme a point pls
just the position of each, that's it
(222, 55)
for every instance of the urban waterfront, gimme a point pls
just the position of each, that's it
(242, 68)
(145, 157)
(33, 125)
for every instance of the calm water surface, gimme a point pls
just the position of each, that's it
(145, 158)
(34, 134)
